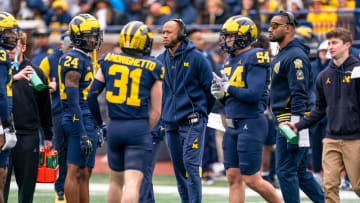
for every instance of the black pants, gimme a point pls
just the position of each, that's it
(24, 159)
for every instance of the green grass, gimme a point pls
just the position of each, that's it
(46, 196)
(42, 196)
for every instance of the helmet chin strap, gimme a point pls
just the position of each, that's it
(95, 62)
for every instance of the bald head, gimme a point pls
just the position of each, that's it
(170, 33)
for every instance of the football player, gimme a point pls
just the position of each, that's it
(245, 95)
(132, 81)
(9, 35)
(75, 78)
(50, 65)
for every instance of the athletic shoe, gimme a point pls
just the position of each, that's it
(60, 197)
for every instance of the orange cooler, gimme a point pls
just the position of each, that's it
(48, 169)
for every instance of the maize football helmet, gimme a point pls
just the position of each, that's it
(243, 28)
(136, 37)
(8, 25)
(81, 28)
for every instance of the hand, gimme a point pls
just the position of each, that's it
(85, 145)
(222, 81)
(24, 74)
(291, 125)
(10, 134)
(101, 131)
(158, 135)
(52, 85)
(47, 144)
(216, 90)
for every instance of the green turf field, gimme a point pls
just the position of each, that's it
(47, 195)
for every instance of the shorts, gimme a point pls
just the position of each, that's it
(74, 154)
(129, 144)
(243, 144)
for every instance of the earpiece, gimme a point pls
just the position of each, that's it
(291, 18)
(181, 35)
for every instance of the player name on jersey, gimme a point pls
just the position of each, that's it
(143, 63)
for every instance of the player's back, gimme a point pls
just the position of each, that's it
(76, 60)
(129, 79)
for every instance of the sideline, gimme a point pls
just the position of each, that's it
(165, 189)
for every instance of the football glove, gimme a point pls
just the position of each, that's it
(10, 134)
(216, 90)
(224, 81)
(158, 135)
(85, 145)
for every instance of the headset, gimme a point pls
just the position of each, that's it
(181, 35)
(291, 18)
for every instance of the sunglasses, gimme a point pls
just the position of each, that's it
(274, 25)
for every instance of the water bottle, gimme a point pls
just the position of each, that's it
(36, 81)
(41, 157)
(289, 134)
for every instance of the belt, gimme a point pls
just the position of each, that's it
(193, 118)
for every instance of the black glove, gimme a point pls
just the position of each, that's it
(101, 131)
(85, 145)
(158, 135)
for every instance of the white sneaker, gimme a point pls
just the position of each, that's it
(345, 185)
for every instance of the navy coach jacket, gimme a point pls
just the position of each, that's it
(186, 85)
(291, 81)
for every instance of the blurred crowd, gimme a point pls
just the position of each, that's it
(316, 17)
(322, 15)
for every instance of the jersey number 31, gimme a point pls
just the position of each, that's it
(122, 84)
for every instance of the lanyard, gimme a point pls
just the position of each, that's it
(15, 63)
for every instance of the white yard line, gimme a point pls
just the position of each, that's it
(164, 189)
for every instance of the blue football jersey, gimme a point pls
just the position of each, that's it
(50, 65)
(129, 79)
(5, 82)
(75, 60)
(249, 77)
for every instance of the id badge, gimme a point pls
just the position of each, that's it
(304, 140)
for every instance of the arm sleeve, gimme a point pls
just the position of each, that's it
(299, 77)
(206, 77)
(73, 93)
(73, 97)
(318, 112)
(256, 78)
(95, 89)
(44, 106)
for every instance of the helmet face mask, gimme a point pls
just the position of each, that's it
(11, 37)
(135, 37)
(243, 31)
(85, 32)
(93, 40)
(9, 31)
